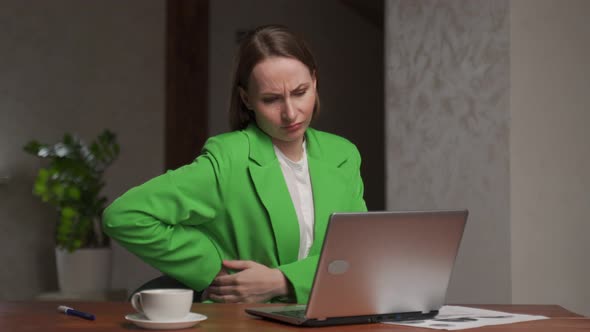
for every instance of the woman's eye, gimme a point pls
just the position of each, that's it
(269, 100)
(299, 93)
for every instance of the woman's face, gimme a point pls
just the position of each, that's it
(281, 92)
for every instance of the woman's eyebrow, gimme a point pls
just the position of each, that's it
(276, 93)
(301, 86)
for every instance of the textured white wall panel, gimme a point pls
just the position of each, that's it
(447, 128)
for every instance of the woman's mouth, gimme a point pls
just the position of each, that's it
(293, 127)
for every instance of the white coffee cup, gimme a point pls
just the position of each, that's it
(163, 304)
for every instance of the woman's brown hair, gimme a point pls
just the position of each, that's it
(259, 44)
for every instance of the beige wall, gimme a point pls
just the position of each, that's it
(447, 92)
(77, 66)
(550, 152)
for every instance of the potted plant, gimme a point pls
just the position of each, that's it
(72, 181)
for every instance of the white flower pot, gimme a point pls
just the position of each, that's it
(84, 270)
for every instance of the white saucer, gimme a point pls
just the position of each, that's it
(141, 320)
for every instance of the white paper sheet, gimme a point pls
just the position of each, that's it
(459, 318)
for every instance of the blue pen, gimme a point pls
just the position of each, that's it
(72, 312)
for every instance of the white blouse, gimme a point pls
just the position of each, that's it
(296, 175)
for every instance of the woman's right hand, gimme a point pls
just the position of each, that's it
(252, 282)
(205, 294)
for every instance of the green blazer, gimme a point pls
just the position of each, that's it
(232, 202)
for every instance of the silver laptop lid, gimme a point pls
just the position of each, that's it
(385, 262)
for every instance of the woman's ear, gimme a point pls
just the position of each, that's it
(245, 99)
(314, 80)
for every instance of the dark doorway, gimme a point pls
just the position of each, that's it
(187, 80)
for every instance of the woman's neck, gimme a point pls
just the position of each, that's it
(292, 150)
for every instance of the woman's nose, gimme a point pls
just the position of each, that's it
(288, 113)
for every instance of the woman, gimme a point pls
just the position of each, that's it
(246, 220)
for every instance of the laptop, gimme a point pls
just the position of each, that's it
(379, 266)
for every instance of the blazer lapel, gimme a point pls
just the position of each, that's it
(328, 183)
(271, 188)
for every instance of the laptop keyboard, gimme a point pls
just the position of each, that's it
(292, 313)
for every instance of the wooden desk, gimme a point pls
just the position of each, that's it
(99, 296)
(43, 316)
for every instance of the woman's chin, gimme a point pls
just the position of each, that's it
(295, 136)
(289, 138)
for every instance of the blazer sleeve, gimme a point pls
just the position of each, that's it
(301, 273)
(357, 187)
(159, 221)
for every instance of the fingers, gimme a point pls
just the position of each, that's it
(253, 282)
(226, 294)
(205, 295)
(233, 299)
(224, 290)
(238, 264)
(225, 280)
(222, 272)
(224, 298)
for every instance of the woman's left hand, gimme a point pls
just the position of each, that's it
(253, 283)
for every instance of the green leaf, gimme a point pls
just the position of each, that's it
(40, 185)
(58, 190)
(76, 244)
(73, 193)
(68, 213)
(68, 139)
(43, 175)
(32, 147)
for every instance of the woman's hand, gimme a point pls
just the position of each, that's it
(253, 283)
